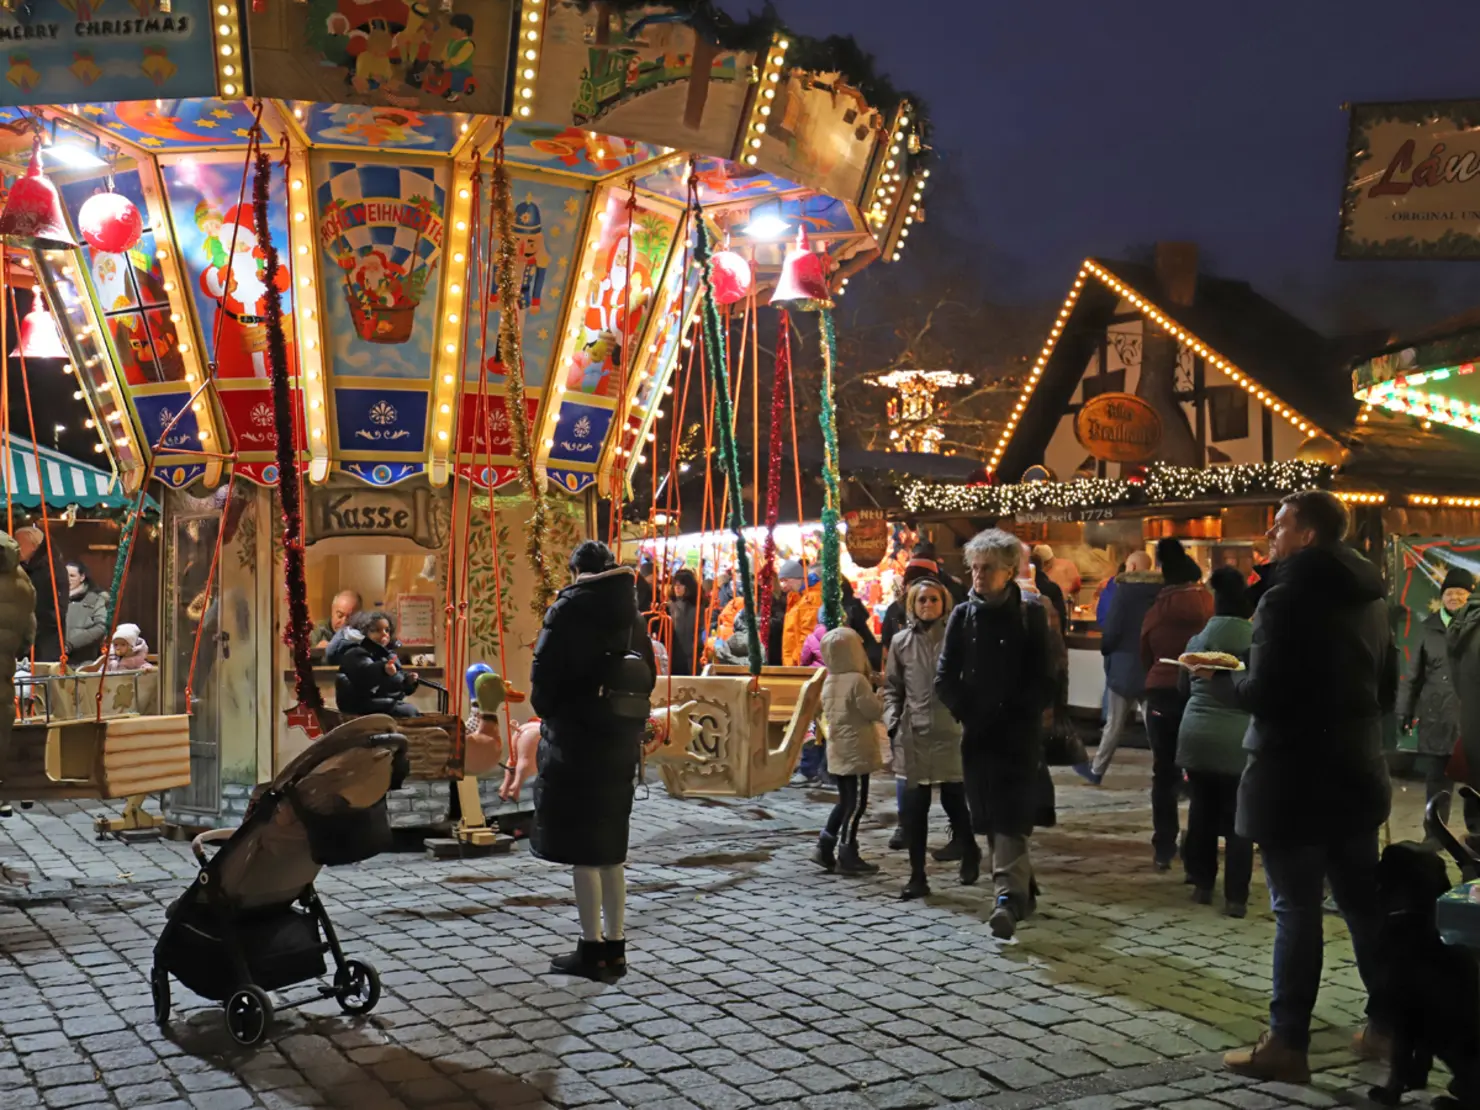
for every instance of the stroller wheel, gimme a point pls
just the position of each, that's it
(159, 990)
(248, 1014)
(358, 989)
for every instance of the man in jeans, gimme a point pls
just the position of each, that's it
(1322, 674)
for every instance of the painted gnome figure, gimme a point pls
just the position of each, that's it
(241, 296)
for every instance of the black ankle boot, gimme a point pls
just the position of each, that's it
(825, 855)
(616, 958)
(952, 851)
(588, 961)
(917, 887)
(849, 862)
(971, 862)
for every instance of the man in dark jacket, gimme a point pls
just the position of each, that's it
(589, 752)
(1120, 644)
(1463, 649)
(1322, 673)
(998, 675)
(50, 582)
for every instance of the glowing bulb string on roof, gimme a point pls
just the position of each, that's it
(1151, 312)
(1162, 484)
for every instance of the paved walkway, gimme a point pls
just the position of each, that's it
(755, 980)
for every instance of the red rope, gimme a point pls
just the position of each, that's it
(51, 564)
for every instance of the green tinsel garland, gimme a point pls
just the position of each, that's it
(832, 580)
(537, 537)
(714, 351)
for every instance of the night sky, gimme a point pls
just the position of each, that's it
(1088, 128)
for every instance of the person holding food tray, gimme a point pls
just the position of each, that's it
(1322, 676)
(1210, 748)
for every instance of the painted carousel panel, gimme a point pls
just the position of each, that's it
(424, 56)
(547, 256)
(381, 234)
(644, 72)
(72, 51)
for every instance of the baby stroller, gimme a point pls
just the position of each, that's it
(252, 922)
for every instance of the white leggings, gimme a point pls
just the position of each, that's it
(601, 892)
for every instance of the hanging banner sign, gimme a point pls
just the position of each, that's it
(1118, 427)
(389, 513)
(868, 537)
(66, 51)
(1412, 181)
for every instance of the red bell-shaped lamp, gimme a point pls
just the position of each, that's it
(803, 282)
(39, 337)
(33, 214)
(732, 279)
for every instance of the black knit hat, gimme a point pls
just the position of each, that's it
(1458, 579)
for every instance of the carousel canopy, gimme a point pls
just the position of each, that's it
(62, 480)
(621, 125)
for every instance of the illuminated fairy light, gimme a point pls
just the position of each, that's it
(760, 109)
(313, 391)
(1092, 269)
(1161, 485)
(911, 411)
(1353, 497)
(228, 52)
(527, 59)
(1432, 501)
(450, 335)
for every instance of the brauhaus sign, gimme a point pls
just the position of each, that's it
(1412, 181)
(1118, 427)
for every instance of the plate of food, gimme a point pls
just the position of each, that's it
(1207, 661)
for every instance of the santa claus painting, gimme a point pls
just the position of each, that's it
(238, 288)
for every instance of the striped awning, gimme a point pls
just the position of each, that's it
(30, 470)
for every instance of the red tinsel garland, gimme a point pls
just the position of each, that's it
(780, 391)
(299, 626)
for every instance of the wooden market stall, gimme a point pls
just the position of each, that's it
(1167, 402)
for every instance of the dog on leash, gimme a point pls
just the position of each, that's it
(1428, 991)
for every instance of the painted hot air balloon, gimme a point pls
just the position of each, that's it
(382, 227)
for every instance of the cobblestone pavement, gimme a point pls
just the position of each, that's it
(755, 979)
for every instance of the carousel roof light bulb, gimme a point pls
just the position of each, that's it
(549, 443)
(99, 448)
(88, 423)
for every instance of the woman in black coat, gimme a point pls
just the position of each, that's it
(1428, 701)
(588, 755)
(686, 609)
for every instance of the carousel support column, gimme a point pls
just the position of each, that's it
(264, 595)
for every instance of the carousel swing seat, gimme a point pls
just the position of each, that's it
(747, 732)
(118, 757)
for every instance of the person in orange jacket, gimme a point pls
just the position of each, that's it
(803, 604)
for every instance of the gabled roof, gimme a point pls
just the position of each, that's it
(1299, 374)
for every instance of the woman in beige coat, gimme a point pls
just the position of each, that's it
(926, 738)
(856, 743)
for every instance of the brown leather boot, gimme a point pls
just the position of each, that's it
(1271, 1060)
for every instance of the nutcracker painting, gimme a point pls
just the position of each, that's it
(225, 263)
(546, 226)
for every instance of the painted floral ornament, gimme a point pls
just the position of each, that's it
(110, 223)
(732, 277)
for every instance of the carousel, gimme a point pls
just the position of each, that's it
(380, 301)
